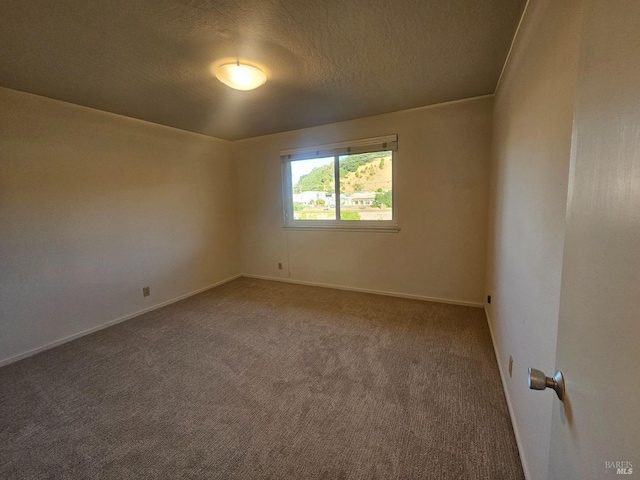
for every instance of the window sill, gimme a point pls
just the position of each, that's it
(340, 228)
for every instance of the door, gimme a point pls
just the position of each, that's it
(596, 431)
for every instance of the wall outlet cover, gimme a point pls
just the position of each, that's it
(146, 292)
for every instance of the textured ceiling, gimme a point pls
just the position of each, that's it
(329, 60)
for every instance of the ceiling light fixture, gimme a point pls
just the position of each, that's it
(240, 76)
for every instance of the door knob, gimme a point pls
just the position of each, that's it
(539, 381)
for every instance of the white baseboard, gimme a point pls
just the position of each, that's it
(523, 460)
(69, 338)
(366, 290)
(61, 341)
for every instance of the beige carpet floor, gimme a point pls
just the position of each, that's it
(265, 380)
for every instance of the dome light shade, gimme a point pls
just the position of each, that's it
(240, 76)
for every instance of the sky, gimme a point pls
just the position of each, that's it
(302, 167)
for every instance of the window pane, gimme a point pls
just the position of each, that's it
(365, 186)
(313, 187)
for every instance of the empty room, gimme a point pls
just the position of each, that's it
(280, 239)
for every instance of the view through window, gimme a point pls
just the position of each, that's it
(353, 187)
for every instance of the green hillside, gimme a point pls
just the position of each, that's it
(320, 179)
(352, 162)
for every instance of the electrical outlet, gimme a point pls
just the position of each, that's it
(146, 292)
(488, 298)
(510, 366)
(279, 266)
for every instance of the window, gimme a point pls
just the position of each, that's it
(345, 186)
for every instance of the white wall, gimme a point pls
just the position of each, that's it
(441, 193)
(529, 173)
(599, 327)
(94, 206)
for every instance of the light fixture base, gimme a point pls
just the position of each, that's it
(240, 75)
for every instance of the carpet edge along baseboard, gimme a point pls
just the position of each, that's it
(109, 323)
(464, 303)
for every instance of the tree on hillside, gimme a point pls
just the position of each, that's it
(383, 200)
(320, 179)
(350, 163)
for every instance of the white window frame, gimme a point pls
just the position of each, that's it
(335, 150)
